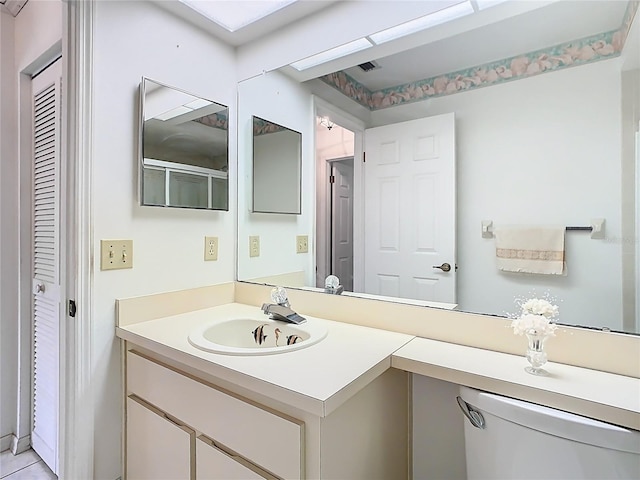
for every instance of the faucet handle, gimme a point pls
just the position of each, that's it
(331, 282)
(279, 296)
(332, 285)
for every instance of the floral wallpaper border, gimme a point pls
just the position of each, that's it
(262, 126)
(578, 52)
(215, 120)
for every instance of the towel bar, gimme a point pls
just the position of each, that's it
(596, 228)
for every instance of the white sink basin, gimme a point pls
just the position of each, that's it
(249, 336)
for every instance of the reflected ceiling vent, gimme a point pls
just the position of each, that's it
(368, 66)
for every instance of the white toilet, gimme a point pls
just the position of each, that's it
(520, 440)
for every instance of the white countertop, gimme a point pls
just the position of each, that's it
(600, 395)
(320, 378)
(316, 379)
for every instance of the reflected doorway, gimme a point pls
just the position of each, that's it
(335, 198)
(341, 220)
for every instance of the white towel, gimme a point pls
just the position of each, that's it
(530, 250)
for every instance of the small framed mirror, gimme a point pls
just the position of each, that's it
(184, 157)
(277, 168)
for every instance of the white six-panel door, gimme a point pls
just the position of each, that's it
(409, 211)
(46, 263)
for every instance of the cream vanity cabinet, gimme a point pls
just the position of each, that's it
(182, 428)
(179, 425)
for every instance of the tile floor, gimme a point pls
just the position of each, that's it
(25, 466)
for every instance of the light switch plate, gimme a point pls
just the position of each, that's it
(254, 246)
(302, 244)
(116, 254)
(210, 248)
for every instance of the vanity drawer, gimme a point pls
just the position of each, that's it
(271, 441)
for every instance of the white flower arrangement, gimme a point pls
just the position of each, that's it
(537, 315)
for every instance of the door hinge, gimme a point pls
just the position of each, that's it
(332, 179)
(72, 308)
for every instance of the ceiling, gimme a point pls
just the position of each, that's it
(551, 25)
(507, 29)
(290, 13)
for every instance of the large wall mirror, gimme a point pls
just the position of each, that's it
(544, 133)
(277, 158)
(184, 149)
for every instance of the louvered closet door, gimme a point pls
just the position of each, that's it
(46, 263)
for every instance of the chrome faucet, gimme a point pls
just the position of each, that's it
(280, 309)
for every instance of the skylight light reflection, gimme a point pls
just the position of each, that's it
(232, 16)
(423, 23)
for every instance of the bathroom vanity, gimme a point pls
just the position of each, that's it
(341, 408)
(333, 410)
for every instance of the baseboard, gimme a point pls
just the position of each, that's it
(20, 445)
(5, 442)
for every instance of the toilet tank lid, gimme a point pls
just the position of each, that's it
(554, 422)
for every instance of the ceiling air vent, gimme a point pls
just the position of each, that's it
(368, 66)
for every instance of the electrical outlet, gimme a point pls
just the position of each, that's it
(116, 254)
(302, 244)
(254, 246)
(210, 248)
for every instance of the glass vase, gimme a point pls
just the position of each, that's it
(536, 354)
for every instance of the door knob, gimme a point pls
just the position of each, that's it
(445, 267)
(39, 288)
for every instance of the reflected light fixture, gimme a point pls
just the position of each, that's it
(325, 122)
(423, 23)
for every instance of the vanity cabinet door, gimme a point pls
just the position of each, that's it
(213, 463)
(270, 440)
(157, 448)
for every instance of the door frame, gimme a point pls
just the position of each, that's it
(77, 399)
(76, 411)
(323, 108)
(21, 440)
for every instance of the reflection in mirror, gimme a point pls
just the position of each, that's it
(544, 136)
(277, 158)
(184, 149)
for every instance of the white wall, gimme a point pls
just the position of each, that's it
(135, 39)
(27, 43)
(276, 98)
(541, 151)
